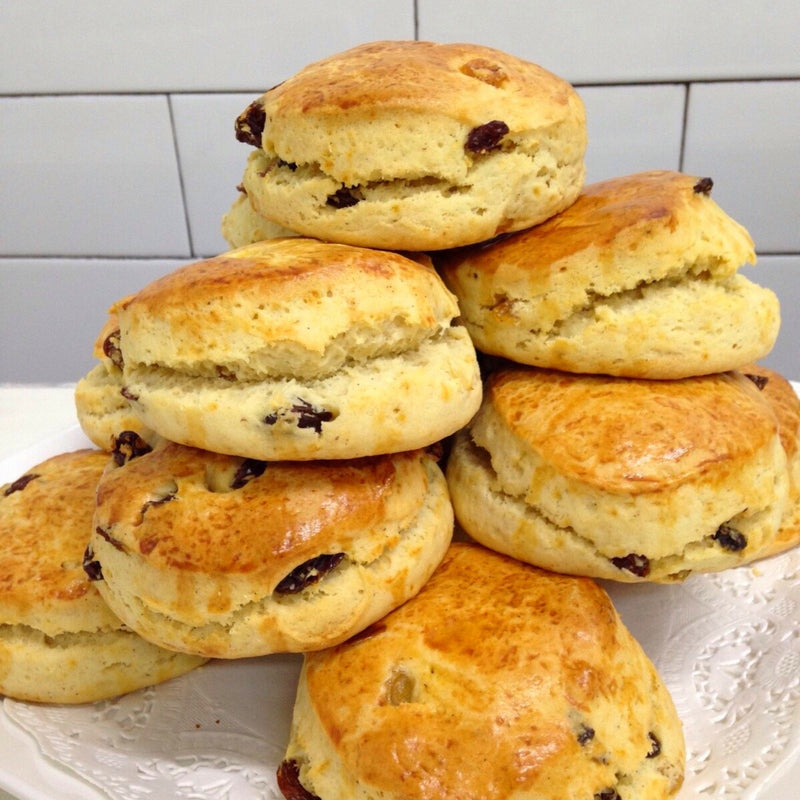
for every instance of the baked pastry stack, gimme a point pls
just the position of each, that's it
(625, 433)
(273, 418)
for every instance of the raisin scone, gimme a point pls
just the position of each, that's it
(59, 641)
(411, 145)
(102, 409)
(298, 349)
(229, 557)
(498, 681)
(638, 278)
(782, 398)
(625, 479)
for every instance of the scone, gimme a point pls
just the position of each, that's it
(229, 557)
(785, 403)
(499, 681)
(298, 349)
(102, 409)
(410, 145)
(242, 224)
(638, 278)
(624, 479)
(59, 642)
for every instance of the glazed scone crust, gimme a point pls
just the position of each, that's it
(193, 561)
(388, 122)
(571, 471)
(620, 283)
(59, 641)
(488, 696)
(298, 349)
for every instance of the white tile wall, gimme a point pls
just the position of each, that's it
(629, 40)
(117, 153)
(747, 137)
(632, 128)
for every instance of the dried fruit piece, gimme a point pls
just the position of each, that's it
(308, 573)
(128, 445)
(111, 348)
(607, 794)
(729, 538)
(703, 186)
(585, 735)
(634, 563)
(400, 687)
(342, 198)
(249, 468)
(307, 416)
(288, 777)
(484, 70)
(20, 483)
(90, 566)
(486, 137)
(250, 124)
(655, 750)
(759, 380)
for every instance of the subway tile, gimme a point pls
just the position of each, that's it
(51, 311)
(181, 45)
(212, 161)
(782, 275)
(89, 176)
(745, 136)
(619, 41)
(632, 128)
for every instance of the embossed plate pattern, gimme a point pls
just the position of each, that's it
(727, 646)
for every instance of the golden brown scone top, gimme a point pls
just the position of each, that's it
(461, 81)
(612, 218)
(783, 400)
(189, 509)
(46, 522)
(277, 291)
(632, 436)
(481, 685)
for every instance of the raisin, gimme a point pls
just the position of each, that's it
(484, 70)
(703, 186)
(111, 348)
(486, 137)
(585, 735)
(249, 468)
(159, 501)
(308, 573)
(655, 750)
(115, 543)
(288, 777)
(307, 416)
(128, 394)
(310, 417)
(128, 445)
(288, 164)
(729, 538)
(90, 566)
(634, 563)
(225, 373)
(342, 198)
(759, 380)
(250, 124)
(20, 483)
(607, 794)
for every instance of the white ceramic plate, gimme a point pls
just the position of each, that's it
(727, 646)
